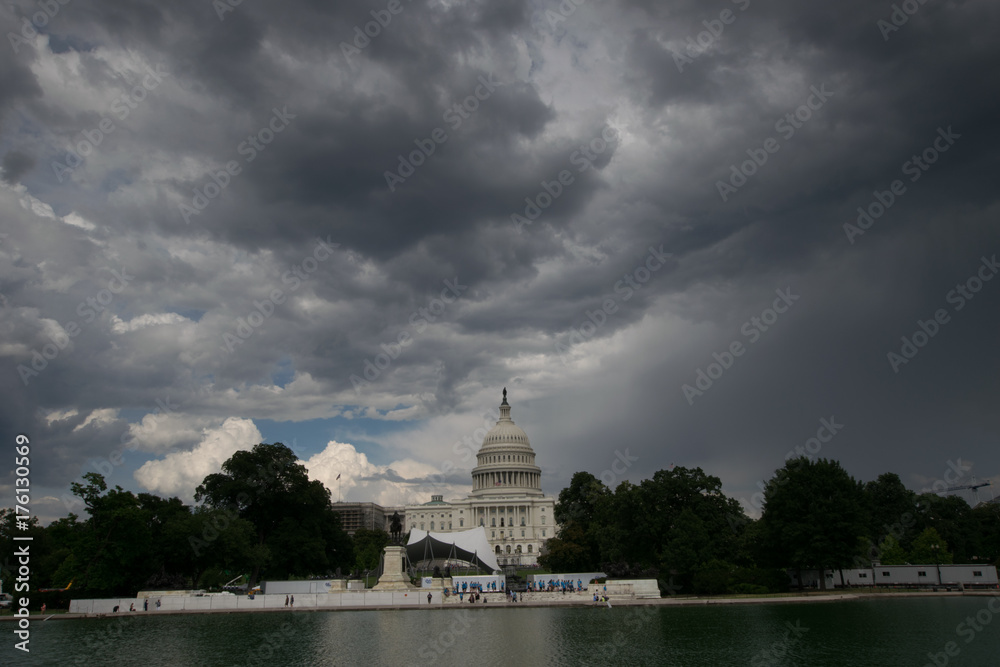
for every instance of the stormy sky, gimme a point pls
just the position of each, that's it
(679, 233)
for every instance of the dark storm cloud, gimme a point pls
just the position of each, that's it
(15, 164)
(352, 115)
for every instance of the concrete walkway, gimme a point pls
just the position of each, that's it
(488, 601)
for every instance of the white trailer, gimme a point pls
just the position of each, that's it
(906, 576)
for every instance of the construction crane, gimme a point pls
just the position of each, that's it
(975, 486)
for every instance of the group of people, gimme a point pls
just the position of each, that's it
(512, 596)
(131, 607)
(474, 588)
(475, 591)
(292, 601)
(556, 585)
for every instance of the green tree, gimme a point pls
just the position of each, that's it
(578, 502)
(682, 500)
(749, 541)
(812, 516)
(576, 548)
(670, 524)
(120, 548)
(930, 547)
(890, 552)
(368, 548)
(987, 547)
(114, 554)
(567, 552)
(212, 538)
(891, 508)
(577, 513)
(713, 577)
(954, 521)
(293, 516)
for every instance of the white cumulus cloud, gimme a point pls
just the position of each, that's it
(398, 483)
(180, 473)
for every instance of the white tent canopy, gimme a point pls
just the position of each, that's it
(468, 545)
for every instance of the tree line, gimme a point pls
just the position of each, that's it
(680, 528)
(260, 516)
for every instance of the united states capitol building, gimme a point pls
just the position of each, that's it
(506, 499)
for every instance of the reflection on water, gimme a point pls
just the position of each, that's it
(880, 632)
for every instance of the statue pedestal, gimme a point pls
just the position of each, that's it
(393, 578)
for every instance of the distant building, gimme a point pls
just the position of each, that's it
(361, 515)
(506, 498)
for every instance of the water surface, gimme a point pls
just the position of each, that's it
(885, 633)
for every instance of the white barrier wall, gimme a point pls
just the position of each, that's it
(242, 602)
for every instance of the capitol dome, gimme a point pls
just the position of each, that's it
(506, 461)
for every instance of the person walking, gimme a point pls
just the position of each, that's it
(286, 600)
(145, 604)
(429, 596)
(157, 604)
(293, 601)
